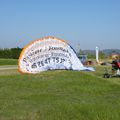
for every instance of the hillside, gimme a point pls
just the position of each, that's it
(105, 51)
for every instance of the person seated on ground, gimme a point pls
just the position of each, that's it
(115, 65)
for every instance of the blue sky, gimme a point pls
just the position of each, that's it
(89, 23)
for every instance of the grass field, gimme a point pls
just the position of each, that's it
(8, 61)
(59, 95)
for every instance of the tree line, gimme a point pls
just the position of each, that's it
(12, 53)
(92, 55)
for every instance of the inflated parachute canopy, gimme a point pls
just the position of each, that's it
(48, 53)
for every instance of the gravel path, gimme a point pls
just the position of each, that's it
(8, 67)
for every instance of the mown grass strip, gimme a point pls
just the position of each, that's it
(58, 95)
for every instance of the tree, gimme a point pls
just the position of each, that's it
(101, 55)
(91, 56)
(10, 53)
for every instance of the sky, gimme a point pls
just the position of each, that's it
(84, 24)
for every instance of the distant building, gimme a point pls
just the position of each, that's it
(115, 55)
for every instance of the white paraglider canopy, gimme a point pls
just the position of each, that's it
(49, 53)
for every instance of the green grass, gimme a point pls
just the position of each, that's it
(59, 95)
(8, 61)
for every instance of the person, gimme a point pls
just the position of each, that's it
(115, 65)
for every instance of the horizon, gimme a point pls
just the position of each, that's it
(70, 45)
